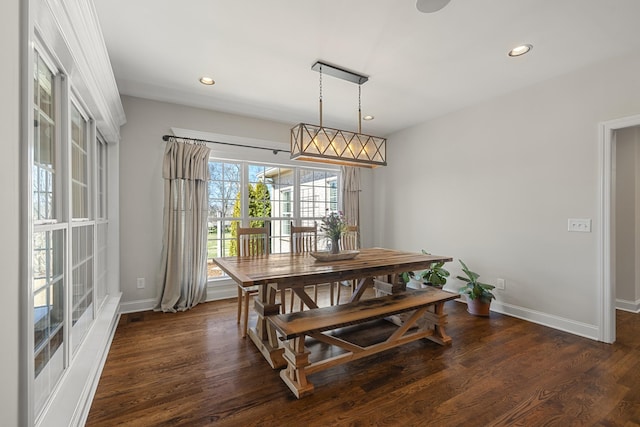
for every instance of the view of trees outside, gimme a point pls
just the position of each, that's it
(259, 207)
(224, 187)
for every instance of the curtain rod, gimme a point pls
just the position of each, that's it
(182, 138)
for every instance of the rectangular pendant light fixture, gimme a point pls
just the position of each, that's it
(326, 145)
(317, 143)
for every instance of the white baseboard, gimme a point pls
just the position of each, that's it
(71, 400)
(555, 322)
(137, 305)
(218, 292)
(632, 306)
(214, 293)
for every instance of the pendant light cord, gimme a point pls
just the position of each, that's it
(359, 108)
(320, 101)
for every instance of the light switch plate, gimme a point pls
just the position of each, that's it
(580, 224)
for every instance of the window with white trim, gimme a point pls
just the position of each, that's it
(68, 245)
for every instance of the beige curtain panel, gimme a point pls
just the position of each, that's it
(183, 274)
(351, 195)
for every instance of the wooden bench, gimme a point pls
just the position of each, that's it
(428, 315)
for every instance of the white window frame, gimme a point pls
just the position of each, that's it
(42, 389)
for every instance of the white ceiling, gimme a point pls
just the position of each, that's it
(420, 66)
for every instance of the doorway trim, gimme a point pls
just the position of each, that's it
(606, 272)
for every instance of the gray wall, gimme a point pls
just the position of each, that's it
(495, 184)
(10, 211)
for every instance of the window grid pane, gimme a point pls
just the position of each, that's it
(101, 261)
(224, 207)
(318, 193)
(79, 165)
(101, 151)
(44, 147)
(48, 295)
(82, 265)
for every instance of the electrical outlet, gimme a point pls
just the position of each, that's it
(500, 284)
(140, 282)
(580, 224)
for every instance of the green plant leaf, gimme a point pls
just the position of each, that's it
(470, 274)
(473, 288)
(406, 276)
(464, 266)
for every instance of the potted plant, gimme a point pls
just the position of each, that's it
(436, 275)
(478, 294)
(333, 225)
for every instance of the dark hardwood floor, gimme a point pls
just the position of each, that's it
(193, 369)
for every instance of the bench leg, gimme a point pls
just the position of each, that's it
(435, 319)
(294, 374)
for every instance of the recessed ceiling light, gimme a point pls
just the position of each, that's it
(207, 81)
(520, 50)
(430, 6)
(368, 118)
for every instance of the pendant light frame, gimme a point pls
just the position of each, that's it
(335, 146)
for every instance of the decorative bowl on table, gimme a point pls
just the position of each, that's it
(327, 256)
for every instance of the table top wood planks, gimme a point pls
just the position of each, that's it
(289, 270)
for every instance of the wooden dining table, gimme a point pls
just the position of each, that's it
(275, 272)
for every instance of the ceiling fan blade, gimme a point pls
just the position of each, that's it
(430, 6)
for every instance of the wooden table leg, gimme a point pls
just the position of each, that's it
(304, 297)
(264, 335)
(363, 284)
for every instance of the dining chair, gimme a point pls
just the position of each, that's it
(349, 241)
(303, 239)
(249, 242)
(349, 238)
